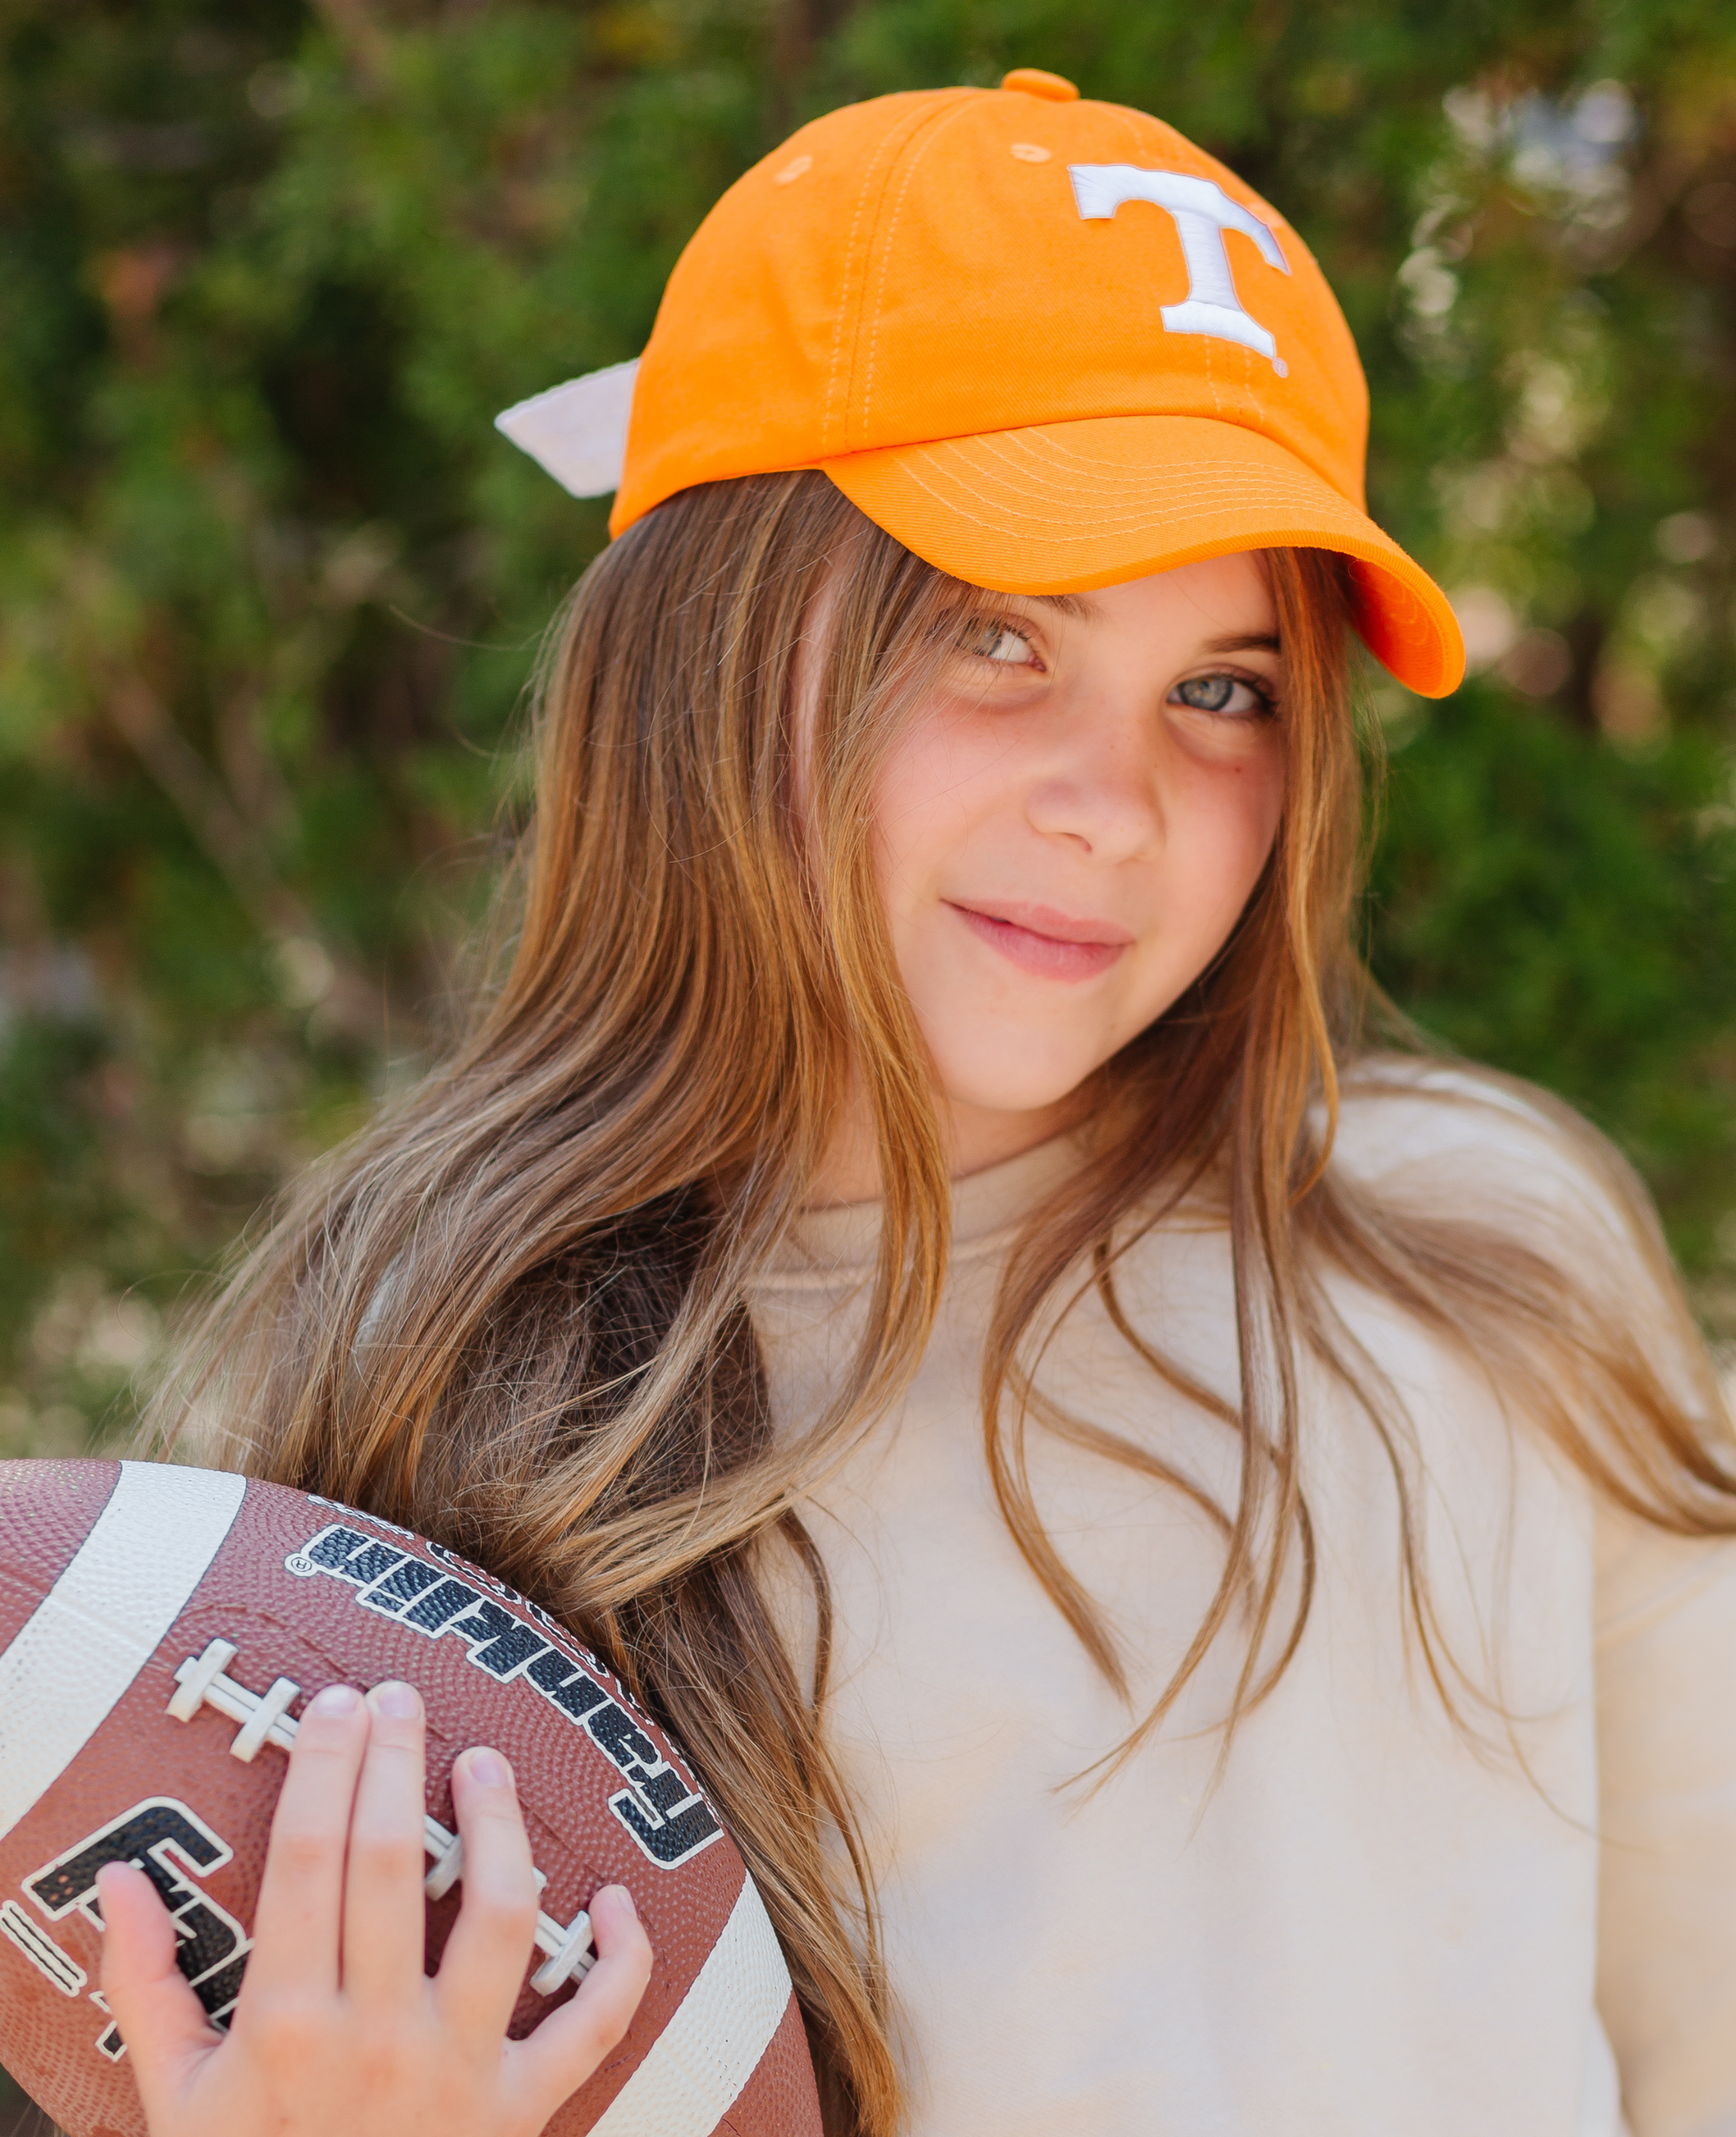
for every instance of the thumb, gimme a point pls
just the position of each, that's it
(160, 2019)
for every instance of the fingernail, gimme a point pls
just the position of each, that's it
(489, 1769)
(626, 1900)
(398, 1703)
(334, 1700)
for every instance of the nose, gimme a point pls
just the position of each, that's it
(1099, 783)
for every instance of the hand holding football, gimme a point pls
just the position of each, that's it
(336, 2024)
(165, 1637)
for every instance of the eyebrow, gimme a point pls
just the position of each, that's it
(1083, 608)
(1250, 642)
(1079, 605)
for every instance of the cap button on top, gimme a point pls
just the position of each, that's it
(1033, 81)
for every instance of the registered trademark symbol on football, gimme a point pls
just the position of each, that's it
(300, 1565)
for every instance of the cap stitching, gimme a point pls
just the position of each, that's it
(1136, 131)
(867, 187)
(1096, 475)
(1254, 377)
(888, 149)
(1406, 609)
(956, 110)
(1129, 521)
(1262, 490)
(1296, 448)
(1208, 350)
(1252, 384)
(1402, 622)
(1269, 488)
(1055, 438)
(1037, 438)
(1038, 444)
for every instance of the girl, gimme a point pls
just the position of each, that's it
(1193, 1555)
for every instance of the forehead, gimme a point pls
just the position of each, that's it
(1226, 602)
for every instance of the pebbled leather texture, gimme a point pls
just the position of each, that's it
(780, 2095)
(130, 1579)
(608, 1799)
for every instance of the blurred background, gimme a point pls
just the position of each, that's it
(270, 585)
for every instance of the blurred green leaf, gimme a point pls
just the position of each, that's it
(271, 586)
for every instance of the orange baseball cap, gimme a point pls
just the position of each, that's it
(1046, 343)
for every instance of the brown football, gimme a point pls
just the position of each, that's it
(161, 1629)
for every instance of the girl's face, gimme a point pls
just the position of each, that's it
(1070, 823)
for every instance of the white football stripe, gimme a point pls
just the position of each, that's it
(100, 1623)
(41, 1949)
(712, 2045)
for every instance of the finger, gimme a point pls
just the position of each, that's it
(385, 1908)
(160, 2019)
(483, 1968)
(296, 1924)
(568, 2046)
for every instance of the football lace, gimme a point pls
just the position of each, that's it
(201, 1681)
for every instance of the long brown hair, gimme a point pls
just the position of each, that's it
(512, 1314)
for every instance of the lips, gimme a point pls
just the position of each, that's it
(1049, 944)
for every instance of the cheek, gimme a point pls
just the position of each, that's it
(1222, 824)
(933, 788)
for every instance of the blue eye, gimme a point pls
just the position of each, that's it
(1226, 695)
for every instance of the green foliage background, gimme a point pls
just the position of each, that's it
(270, 585)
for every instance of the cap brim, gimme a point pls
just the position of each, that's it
(1061, 508)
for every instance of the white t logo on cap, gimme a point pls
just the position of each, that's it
(1203, 212)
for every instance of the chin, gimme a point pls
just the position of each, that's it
(1007, 1079)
